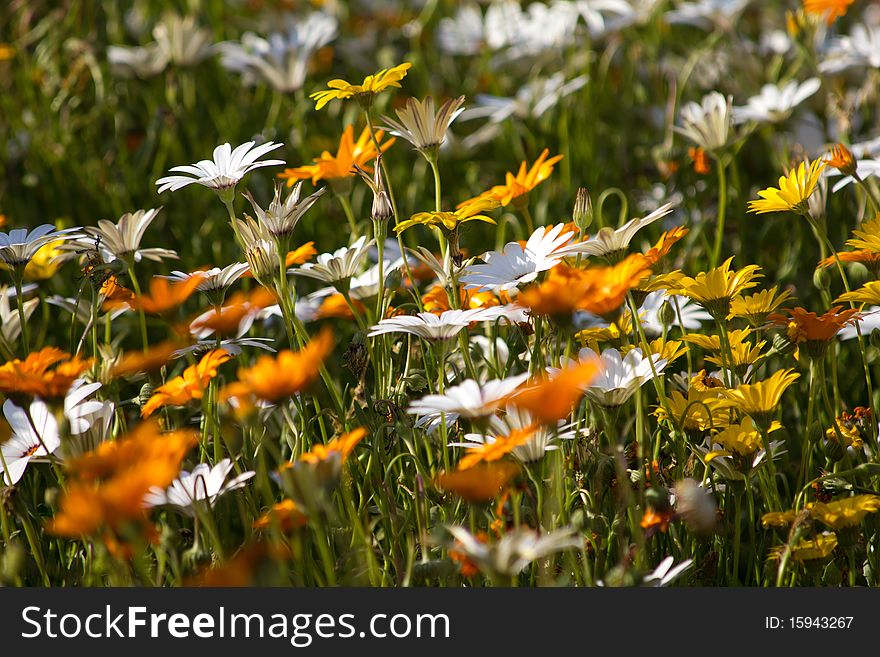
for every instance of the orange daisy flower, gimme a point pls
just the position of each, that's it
(163, 296)
(479, 483)
(109, 483)
(289, 372)
(286, 513)
(350, 153)
(342, 446)
(664, 244)
(551, 400)
(436, 300)
(137, 362)
(600, 290)
(842, 159)
(47, 373)
(227, 319)
(189, 385)
(830, 9)
(700, 159)
(494, 451)
(525, 180)
(814, 331)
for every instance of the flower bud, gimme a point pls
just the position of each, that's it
(821, 278)
(583, 210)
(666, 314)
(381, 210)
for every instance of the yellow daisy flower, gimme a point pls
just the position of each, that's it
(363, 93)
(847, 512)
(714, 289)
(449, 221)
(867, 236)
(755, 308)
(794, 190)
(759, 400)
(868, 293)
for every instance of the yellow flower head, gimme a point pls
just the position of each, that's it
(867, 236)
(868, 293)
(449, 221)
(794, 190)
(760, 399)
(350, 154)
(847, 512)
(44, 264)
(715, 288)
(756, 307)
(742, 439)
(699, 411)
(811, 549)
(525, 180)
(363, 92)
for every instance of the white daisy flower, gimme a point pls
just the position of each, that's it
(666, 573)
(543, 440)
(532, 100)
(468, 399)
(214, 279)
(26, 443)
(423, 126)
(338, 267)
(860, 49)
(19, 245)
(619, 376)
(204, 483)
(10, 324)
(122, 239)
(447, 324)
(137, 62)
(775, 103)
(225, 170)
(707, 123)
(515, 550)
(79, 410)
(707, 14)
(280, 218)
(609, 241)
(182, 40)
(231, 345)
(281, 59)
(504, 271)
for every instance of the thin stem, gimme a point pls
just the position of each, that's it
(722, 212)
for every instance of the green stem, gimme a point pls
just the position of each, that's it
(722, 212)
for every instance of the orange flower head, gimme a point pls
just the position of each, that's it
(342, 446)
(108, 484)
(871, 259)
(841, 158)
(47, 373)
(350, 153)
(700, 159)
(289, 372)
(525, 180)
(481, 482)
(285, 513)
(189, 385)
(137, 362)
(830, 9)
(551, 400)
(436, 300)
(298, 256)
(815, 332)
(667, 240)
(599, 290)
(227, 319)
(336, 306)
(163, 297)
(503, 445)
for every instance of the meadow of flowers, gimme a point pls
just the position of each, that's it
(435, 293)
